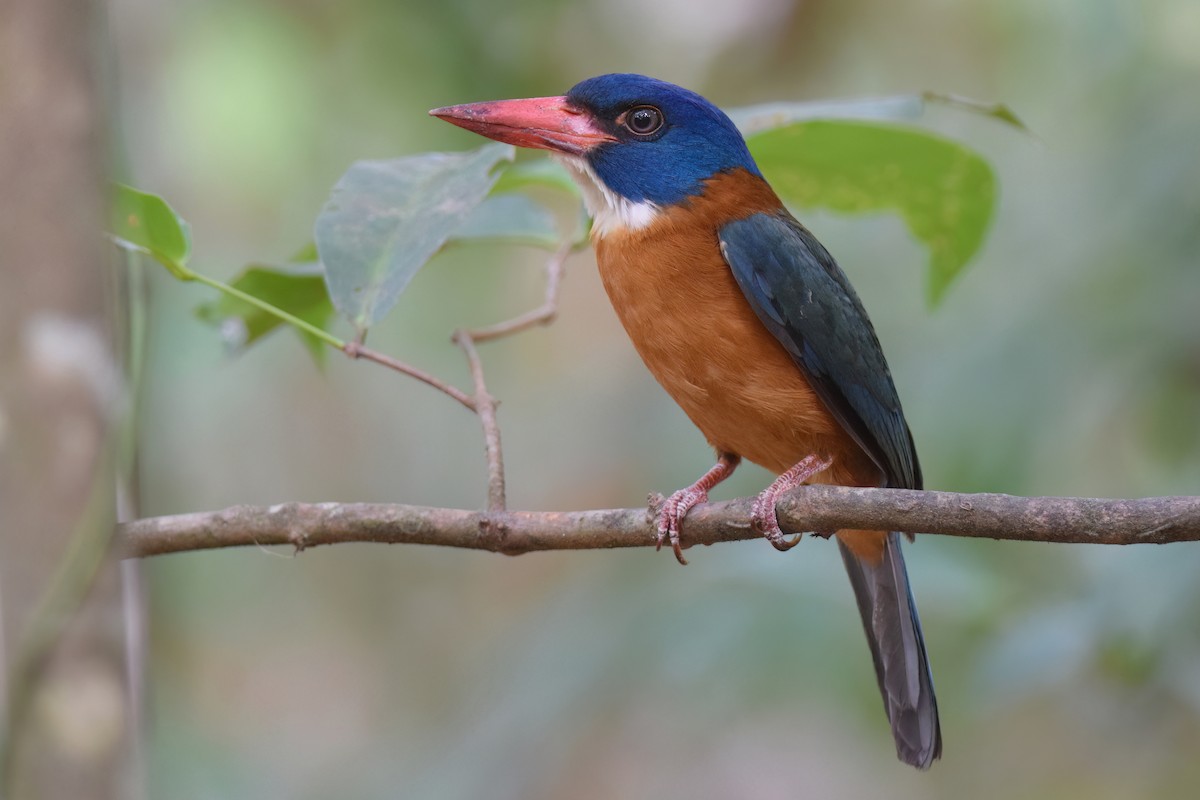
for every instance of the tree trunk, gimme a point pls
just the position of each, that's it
(66, 702)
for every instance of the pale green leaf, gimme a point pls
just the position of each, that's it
(902, 107)
(385, 219)
(510, 218)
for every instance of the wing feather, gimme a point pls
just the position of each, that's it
(804, 299)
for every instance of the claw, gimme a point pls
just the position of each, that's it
(671, 516)
(763, 517)
(783, 544)
(673, 511)
(764, 520)
(676, 507)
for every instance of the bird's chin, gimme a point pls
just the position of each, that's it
(611, 213)
(585, 178)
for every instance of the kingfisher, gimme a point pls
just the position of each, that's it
(750, 325)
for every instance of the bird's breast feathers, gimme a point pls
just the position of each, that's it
(691, 324)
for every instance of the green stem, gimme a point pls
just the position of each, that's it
(74, 576)
(291, 319)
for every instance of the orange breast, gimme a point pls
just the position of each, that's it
(698, 335)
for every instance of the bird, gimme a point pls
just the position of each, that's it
(749, 324)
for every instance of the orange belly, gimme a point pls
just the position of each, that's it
(700, 338)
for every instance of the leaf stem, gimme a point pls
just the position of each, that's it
(354, 349)
(291, 319)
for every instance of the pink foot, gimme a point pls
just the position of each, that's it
(681, 502)
(762, 516)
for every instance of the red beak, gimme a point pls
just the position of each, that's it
(547, 123)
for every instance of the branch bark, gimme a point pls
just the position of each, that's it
(485, 407)
(358, 350)
(544, 314)
(482, 402)
(1155, 520)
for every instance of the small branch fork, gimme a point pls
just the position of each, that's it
(543, 314)
(481, 401)
(485, 407)
(358, 350)
(1156, 520)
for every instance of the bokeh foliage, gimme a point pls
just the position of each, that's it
(1064, 361)
(386, 219)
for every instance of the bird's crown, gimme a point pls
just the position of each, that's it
(665, 140)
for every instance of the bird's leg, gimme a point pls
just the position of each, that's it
(680, 503)
(762, 516)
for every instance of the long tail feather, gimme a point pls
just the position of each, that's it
(894, 633)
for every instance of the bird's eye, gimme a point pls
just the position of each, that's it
(644, 120)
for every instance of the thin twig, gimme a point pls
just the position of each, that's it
(543, 314)
(483, 403)
(1155, 520)
(357, 350)
(485, 407)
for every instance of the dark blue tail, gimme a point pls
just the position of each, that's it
(894, 632)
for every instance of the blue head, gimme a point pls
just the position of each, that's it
(666, 140)
(644, 139)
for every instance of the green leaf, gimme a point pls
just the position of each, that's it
(997, 111)
(145, 223)
(510, 218)
(499, 219)
(755, 119)
(385, 219)
(305, 255)
(297, 290)
(544, 172)
(945, 192)
(767, 116)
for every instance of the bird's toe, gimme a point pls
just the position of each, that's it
(764, 520)
(670, 518)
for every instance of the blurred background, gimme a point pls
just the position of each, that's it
(1065, 361)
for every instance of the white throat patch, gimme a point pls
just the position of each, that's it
(610, 212)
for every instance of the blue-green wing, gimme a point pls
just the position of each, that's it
(804, 299)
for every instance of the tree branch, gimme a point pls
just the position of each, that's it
(1154, 520)
(356, 349)
(485, 407)
(482, 403)
(544, 314)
